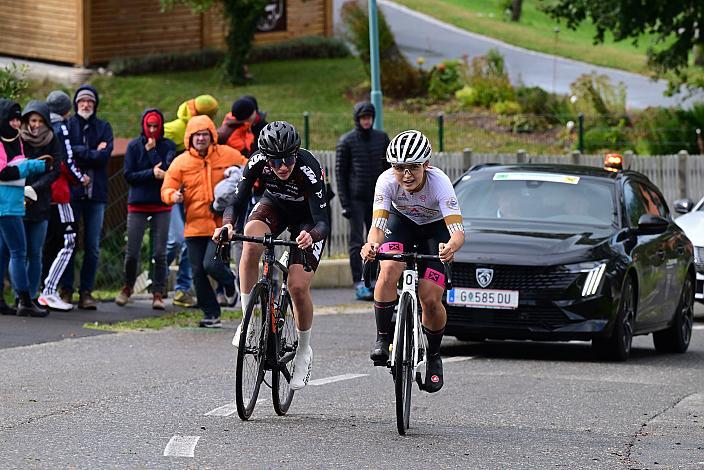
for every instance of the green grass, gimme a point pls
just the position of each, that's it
(182, 319)
(535, 31)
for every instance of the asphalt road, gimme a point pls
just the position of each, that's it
(163, 400)
(419, 35)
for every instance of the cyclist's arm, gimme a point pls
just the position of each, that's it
(252, 170)
(450, 209)
(317, 198)
(380, 215)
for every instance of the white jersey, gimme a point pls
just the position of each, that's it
(435, 201)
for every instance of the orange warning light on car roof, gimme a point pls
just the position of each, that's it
(613, 162)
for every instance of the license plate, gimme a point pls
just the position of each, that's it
(485, 298)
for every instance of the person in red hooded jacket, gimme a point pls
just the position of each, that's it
(146, 160)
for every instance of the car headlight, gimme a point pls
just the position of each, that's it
(593, 281)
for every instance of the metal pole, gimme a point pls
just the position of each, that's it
(580, 119)
(441, 132)
(374, 63)
(306, 130)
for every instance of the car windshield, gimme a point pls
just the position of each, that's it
(537, 197)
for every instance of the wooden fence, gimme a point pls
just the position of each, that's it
(677, 176)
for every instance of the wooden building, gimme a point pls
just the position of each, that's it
(90, 32)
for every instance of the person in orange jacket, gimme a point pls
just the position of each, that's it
(236, 128)
(191, 179)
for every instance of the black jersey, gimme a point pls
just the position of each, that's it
(302, 194)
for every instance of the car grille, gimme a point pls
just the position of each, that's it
(548, 318)
(699, 258)
(521, 278)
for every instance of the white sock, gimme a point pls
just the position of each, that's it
(245, 302)
(303, 339)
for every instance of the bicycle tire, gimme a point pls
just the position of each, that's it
(286, 344)
(403, 364)
(251, 353)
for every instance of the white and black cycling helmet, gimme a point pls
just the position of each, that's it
(409, 147)
(279, 139)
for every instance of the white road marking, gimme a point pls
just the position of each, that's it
(181, 446)
(450, 360)
(336, 378)
(225, 410)
(698, 327)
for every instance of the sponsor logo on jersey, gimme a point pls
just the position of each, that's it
(323, 205)
(433, 276)
(317, 249)
(319, 194)
(452, 203)
(309, 173)
(255, 159)
(378, 199)
(422, 197)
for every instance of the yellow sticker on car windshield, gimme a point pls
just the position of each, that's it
(551, 178)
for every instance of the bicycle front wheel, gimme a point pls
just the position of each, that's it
(251, 353)
(403, 363)
(287, 342)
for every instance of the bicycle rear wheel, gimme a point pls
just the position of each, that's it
(251, 353)
(403, 364)
(287, 342)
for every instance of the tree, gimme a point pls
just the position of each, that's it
(242, 17)
(516, 10)
(674, 25)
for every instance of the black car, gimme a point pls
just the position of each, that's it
(559, 252)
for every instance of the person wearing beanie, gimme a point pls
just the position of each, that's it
(146, 161)
(236, 128)
(360, 159)
(92, 142)
(176, 246)
(39, 143)
(61, 234)
(259, 122)
(15, 168)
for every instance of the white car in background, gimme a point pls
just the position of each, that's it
(692, 222)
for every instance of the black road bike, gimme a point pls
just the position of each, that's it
(268, 337)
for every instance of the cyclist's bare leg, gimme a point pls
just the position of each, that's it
(430, 296)
(251, 253)
(389, 274)
(299, 287)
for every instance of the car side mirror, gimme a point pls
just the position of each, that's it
(682, 206)
(649, 224)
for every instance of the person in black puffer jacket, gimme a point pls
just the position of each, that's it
(39, 142)
(360, 159)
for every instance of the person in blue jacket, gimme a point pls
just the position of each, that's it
(92, 142)
(146, 160)
(15, 168)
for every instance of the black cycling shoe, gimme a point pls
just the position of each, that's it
(433, 374)
(380, 352)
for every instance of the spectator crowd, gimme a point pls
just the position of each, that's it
(54, 157)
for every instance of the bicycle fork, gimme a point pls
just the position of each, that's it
(410, 280)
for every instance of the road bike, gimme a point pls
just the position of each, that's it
(268, 338)
(408, 349)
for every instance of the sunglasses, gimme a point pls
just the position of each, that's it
(276, 163)
(413, 168)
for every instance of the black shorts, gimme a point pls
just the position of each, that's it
(402, 234)
(279, 219)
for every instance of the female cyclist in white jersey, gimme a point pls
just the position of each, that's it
(414, 204)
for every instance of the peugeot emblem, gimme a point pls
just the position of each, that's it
(484, 276)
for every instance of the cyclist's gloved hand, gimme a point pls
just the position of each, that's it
(369, 251)
(304, 240)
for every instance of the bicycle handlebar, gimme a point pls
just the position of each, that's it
(405, 258)
(270, 242)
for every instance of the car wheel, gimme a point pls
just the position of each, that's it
(676, 338)
(617, 347)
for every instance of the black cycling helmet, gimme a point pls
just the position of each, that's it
(279, 139)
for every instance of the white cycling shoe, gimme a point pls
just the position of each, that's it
(302, 365)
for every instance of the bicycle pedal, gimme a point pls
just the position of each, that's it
(381, 363)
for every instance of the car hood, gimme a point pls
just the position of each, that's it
(693, 226)
(533, 247)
